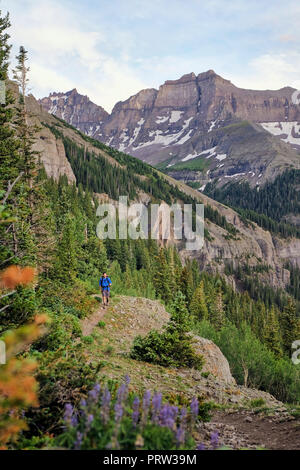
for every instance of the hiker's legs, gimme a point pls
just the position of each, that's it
(103, 297)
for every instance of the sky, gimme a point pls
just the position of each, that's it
(111, 49)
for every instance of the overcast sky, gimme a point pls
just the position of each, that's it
(111, 49)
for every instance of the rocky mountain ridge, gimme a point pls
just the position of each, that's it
(198, 128)
(252, 244)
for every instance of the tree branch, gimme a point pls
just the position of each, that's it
(10, 187)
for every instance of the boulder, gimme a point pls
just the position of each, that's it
(215, 361)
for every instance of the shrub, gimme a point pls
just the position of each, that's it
(172, 347)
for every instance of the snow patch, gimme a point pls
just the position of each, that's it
(284, 128)
(221, 156)
(175, 116)
(212, 125)
(161, 119)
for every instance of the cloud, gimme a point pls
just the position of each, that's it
(112, 49)
(64, 53)
(272, 71)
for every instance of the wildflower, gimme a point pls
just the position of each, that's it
(156, 406)
(105, 406)
(68, 414)
(195, 408)
(214, 440)
(200, 446)
(121, 393)
(168, 416)
(89, 420)
(180, 434)
(93, 394)
(135, 412)
(146, 406)
(127, 380)
(118, 412)
(78, 442)
(183, 414)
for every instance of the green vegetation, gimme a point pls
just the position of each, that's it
(196, 164)
(267, 205)
(173, 347)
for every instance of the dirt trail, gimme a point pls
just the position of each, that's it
(90, 322)
(247, 429)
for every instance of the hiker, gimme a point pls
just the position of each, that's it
(105, 284)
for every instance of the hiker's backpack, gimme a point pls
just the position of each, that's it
(102, 279)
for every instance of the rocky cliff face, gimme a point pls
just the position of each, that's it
(201, 124)
(77, 110)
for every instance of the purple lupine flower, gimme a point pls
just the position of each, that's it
(121, 393)
(105, 406)
(74, 420)
(135, 412)
(195, 408)
(68, 414)
(78, 442)
(93, 394)
(146, 399)
(214, 440)
(168, 416)
(200, 446)
(183, 414)
(127, 380)
(118, 412)
(146, 406)
(89, 420)
(156, 406)
(83, 403)
(180, 435)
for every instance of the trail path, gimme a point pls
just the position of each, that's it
(252, 430)
(90, 322)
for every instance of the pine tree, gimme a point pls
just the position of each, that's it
(217, 316)
(289, 326)
(271, 332)
(10, 172)
(161, 278)
(66, 258)
(186, 283)
(198, 306)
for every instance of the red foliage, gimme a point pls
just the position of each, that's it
(14, 275)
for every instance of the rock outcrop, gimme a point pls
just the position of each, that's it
(215, 361)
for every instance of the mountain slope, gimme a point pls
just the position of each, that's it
(229, 238)
(202, 128)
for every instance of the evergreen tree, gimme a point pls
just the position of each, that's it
(198, 306)
(66, 259)
(217, 316)
(289, 326)
(271, 332)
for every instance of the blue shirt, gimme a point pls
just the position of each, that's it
(104, 283)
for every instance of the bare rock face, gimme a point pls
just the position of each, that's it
(53, 156)
(77, 110)
(215, 361)
(204, 121)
